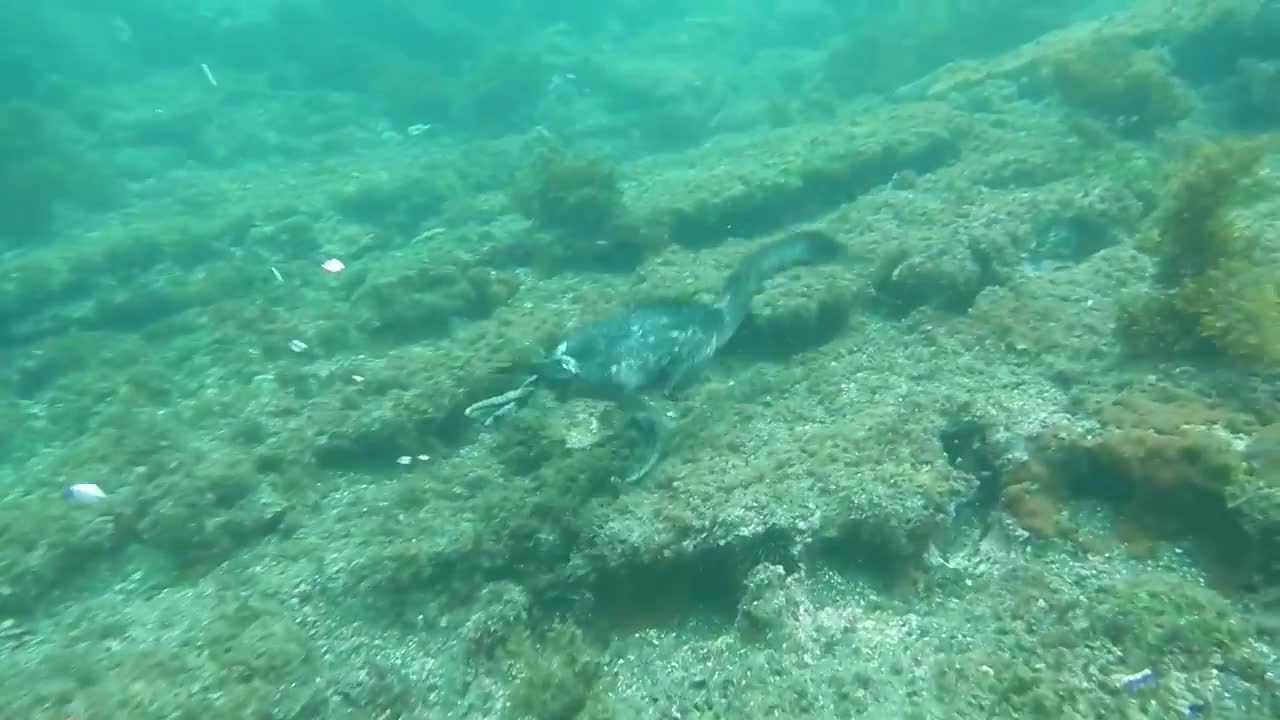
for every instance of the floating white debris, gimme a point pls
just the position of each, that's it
(358, 378)
(404, 459)
(208, 74)
(333, 265)
(418, 129)
(424, 458)
(274, 271)
(1142, 678)
(297, 345)
(83, 494)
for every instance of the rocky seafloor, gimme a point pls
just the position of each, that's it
(954, 475)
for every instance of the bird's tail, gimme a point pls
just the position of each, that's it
(808, 247)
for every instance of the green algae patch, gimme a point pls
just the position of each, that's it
(556, 676)
(49, 546)
(43, 169)
(578, 200)
(174, 265)
(576, 194)
(1216, 291)
(1134, 92)
(429, 300)
(1152, 618)
(245, 658)
(752, 185)
(550, 478)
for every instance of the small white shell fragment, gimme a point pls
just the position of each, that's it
(1143, 677)
(404, 459)
(297, 345)
(333, 265)
(83, 494)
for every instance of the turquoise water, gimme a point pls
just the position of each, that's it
(753, 359)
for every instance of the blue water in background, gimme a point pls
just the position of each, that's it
(485, 68)
(122, 86)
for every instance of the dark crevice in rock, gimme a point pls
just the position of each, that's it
(708, 583)
(969, 448)
(886, 559)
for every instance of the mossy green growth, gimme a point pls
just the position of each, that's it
(203, 516)
(573, 194)
(1153, 620)
(557, 677)
(1193, 231)
(578, 199)
(1239, 308)
(48, 546)
(41, 169)
(1134, 91)
(245, 659)
(1216, 291)
(429, 299)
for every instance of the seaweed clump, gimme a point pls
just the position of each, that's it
(557, 677)
(41, 171)
(1134, 91)
(430, 300)
(579, 200)
(1216, 292)
(572, 194)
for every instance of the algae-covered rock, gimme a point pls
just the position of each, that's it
(1216, 290)
(502, 619)
(49, 543)
(1171, 466)
(430, 299)
(1150, 619)
(578, 200)
(202, 515)
(744, 189)
(43, 169)
(947, 277)
(763, 613)
(1134, 91)
(575, 194)
(557, 675)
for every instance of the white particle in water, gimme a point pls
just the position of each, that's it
(83, 494)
